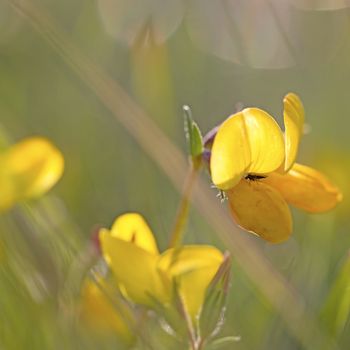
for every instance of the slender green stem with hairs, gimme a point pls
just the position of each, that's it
(178, 231)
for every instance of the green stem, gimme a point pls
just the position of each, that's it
(182, 213)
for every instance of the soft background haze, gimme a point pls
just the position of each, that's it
(212, 56)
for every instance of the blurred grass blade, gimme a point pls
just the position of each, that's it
(336, 310)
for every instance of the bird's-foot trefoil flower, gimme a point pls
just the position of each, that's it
(253, 161)
(150, 278)
(28, 169)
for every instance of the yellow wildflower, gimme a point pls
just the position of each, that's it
(254, 163)
(28, 169)
(147, 277)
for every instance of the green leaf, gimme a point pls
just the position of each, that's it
(336, 310)
(193, 134)
(224, 341)
(214, 307)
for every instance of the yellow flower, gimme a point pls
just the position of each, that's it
(147, 277)
(28, 169)
(102, 315)
(254, 163)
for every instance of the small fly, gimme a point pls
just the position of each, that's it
(253, 177)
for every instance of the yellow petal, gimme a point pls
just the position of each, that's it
(193, 268)
(306, 188)
(132, 227)
(29, 169)
(247, 142)
(135, 269)
(103, 315)
(293, 122)
(260, 209)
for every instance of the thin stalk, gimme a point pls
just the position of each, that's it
(178, 231)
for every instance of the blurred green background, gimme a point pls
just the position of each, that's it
(166, 54)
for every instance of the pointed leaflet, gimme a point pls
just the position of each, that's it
(223, 343)
(213, 311)
(193, 134)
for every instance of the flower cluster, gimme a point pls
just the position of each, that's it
(172, 282)
(146, 276)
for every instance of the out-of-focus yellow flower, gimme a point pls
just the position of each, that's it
(147, 277)
(102, 315)
(254, 163)
(28, 169)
